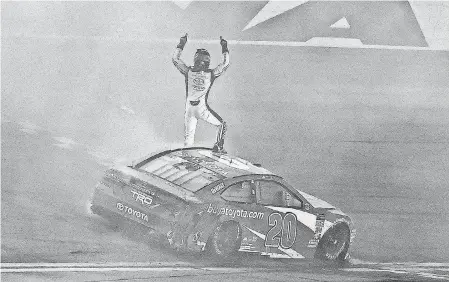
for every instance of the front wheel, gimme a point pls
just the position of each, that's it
(225, 240)
(334, 244)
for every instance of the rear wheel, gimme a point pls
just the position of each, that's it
(334, 244)
(225, 240)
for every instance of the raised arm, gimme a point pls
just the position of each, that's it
(179, 64)
(223, 66)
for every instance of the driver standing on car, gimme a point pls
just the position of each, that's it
(199, 79)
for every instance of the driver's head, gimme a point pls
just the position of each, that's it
(201, 59)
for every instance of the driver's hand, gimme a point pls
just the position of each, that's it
(224, 45)
(182, 42)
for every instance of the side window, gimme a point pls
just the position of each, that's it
(241, 192)
(274, 194)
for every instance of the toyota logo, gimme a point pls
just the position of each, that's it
(198, 81)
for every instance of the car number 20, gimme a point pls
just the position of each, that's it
(282, 232)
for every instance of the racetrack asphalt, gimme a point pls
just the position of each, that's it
(366, 130)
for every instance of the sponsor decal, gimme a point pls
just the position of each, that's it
(283, 230)
(198, 88)
(248, 244)
(249, 239)
(170, 236)
(140, 185)
(353, 234)
(290, 253)
(198, 81)
(235, 212)
(319, 225)
(217, 188)
(142, 198)
(313, 243)
(131, 211)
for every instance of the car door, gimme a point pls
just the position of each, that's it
(241, 206)
(288, 227)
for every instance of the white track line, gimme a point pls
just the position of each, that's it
(401, 271)
(231, 42)
(397, 265)
(181, 266)
(99, 264)
(123, 268)
(405, 264)
(95, 269)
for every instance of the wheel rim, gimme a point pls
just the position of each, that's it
(335, 242)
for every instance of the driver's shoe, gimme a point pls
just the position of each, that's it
(218, 149)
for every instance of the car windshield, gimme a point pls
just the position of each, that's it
(178, 171)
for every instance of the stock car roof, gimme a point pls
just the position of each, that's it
(194, 168)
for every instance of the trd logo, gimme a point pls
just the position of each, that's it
(142, 198)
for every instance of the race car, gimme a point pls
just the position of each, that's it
(201, 201)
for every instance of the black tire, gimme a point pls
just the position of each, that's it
(334, 244)
(225, 241)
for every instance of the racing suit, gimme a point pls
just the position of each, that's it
(198, 85)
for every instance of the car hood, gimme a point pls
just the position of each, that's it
(315, 202)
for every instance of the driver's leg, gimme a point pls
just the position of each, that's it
(210, 116)
(190, 122)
